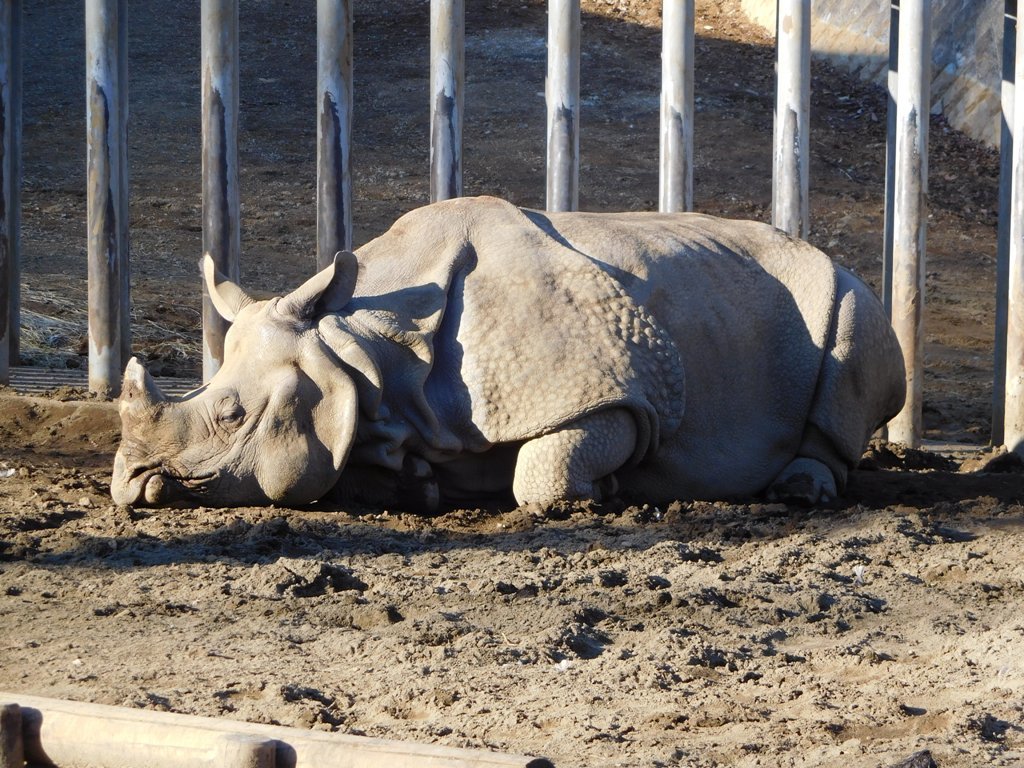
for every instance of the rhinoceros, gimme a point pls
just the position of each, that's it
(478, 351)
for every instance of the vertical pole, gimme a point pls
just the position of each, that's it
(675, 180)
(107, 212)
(447, 78)
(910, 215)
(790, 180)
(219, 43)
(12, 743)
(1013, 426)
(563, 100)
(1003, 244)
(890, 155)
(124, 252)
(334, 129)
(10, 184)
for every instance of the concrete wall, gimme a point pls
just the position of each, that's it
(966, 54)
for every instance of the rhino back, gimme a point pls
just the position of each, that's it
(750, 311)
(524, 321)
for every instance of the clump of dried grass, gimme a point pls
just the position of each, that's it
(54, 333)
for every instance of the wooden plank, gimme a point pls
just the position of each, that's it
(75, 735)
(12, 745)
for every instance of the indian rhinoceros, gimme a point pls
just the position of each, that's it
(481, 351)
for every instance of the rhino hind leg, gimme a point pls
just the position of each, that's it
(577, 460)
(817, 474)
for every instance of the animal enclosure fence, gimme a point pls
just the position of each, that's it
(107, 178)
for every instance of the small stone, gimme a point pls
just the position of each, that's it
(922, 759)
(85, 502)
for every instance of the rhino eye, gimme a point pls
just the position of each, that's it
(231, 415)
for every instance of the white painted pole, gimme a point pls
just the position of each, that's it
(911, 215)
(221, 238)
(790, 180)
(1003, 243)
(675, 180)
(1013, 425)
(333, 129)
(107, 175)
(890, 155)
(10, 185)
(563, 102)
(447, 78)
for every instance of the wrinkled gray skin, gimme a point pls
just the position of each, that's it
(477, 351)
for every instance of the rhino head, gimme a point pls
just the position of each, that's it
(274, 425)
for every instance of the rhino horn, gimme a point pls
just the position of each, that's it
(228, 298)
(328, 290)
(138, 386)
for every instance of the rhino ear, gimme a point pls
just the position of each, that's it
(329, 290)
(227, 297)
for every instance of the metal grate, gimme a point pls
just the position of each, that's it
(37, 381)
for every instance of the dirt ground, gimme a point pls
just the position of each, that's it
(702, 634)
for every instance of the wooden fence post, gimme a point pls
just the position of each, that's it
(790, 180)
(910, 215)
(563, 101)
(219, 43)
(447, 78)
(107, 194)
(334, 129)
(12, 742)
(675, 180)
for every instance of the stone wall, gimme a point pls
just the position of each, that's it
(966, 54)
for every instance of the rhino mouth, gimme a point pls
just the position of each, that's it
(158, 485)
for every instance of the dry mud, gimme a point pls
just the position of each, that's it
(701, 634)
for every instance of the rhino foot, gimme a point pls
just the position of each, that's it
(576, 461)
(804, 481)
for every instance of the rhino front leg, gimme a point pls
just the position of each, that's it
(572, 462)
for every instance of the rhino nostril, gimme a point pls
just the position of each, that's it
(155, 490)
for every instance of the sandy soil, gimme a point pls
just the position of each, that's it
(701, 634)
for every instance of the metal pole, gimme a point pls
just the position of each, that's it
(563, 100)
(334, 129)
(447, 78)
(675, 180)
(1013, 425)
(790, 180)
(107, 212)
(890, 155)
(220, 161)
(10, 185)
(1003, 244)
(124, 252)
(910, 215)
